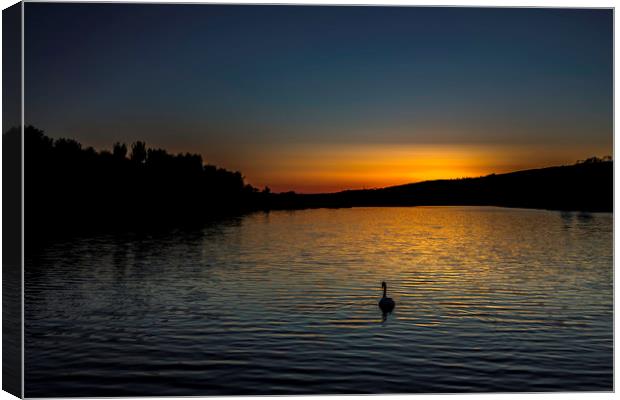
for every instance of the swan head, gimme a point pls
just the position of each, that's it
(383, 285)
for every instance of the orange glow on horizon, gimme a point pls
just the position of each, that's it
(323, 169)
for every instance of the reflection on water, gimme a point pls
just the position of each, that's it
(488, 299)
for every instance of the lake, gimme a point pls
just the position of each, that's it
(285, 302)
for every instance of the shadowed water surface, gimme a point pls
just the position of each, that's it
(487, 299)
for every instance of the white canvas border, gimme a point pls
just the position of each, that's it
(465, 3)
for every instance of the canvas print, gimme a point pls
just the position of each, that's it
(270, 199)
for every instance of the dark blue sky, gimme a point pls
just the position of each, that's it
(251, 87)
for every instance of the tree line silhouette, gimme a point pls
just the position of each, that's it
(68, 186)
(66, 183)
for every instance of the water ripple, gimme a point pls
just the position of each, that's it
(488, 299)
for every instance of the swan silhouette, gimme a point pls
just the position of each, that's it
(386, 304)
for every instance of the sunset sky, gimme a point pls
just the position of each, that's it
(317, 99)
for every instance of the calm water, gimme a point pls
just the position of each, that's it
(487, 299)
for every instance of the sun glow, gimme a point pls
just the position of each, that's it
(319, 168)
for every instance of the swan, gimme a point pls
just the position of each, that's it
(386, 304)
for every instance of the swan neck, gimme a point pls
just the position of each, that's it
(384, 291)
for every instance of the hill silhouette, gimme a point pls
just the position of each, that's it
(585, 186)
(68, 186)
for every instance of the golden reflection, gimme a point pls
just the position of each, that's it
(444, 265)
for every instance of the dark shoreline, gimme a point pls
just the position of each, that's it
(69, 188)
(586, 187)
(577, 188)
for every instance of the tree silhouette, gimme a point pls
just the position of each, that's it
(138, 152)
(68, 186)
(119, 150)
